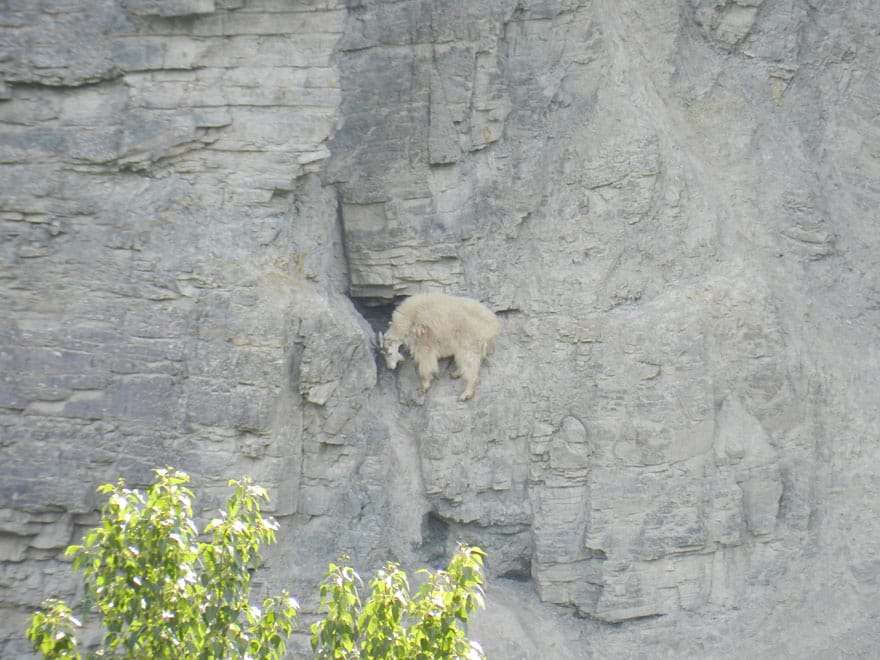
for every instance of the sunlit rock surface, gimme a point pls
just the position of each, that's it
(208, 206)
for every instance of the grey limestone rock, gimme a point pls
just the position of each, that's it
(208, 207)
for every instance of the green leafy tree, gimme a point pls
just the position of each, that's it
(395, 624)
(53, 632)
(163, 593)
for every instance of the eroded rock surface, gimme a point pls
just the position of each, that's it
(209, 206)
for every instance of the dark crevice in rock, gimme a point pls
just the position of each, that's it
(521, 573)
(435, 535)
(376, 311)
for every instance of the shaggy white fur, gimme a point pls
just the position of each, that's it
(433, 326)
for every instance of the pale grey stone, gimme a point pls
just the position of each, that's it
(208, 207)
(169, 8)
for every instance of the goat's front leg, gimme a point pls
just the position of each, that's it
(427, 366)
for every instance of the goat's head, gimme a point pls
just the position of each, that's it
(390, 349)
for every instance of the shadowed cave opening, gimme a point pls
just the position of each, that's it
(522, 572)
(376, 311)
(435, 535)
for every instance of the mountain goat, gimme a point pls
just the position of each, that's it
(433, 326)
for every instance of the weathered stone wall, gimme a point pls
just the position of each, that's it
(673, 448)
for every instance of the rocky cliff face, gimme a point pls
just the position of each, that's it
(208, 206)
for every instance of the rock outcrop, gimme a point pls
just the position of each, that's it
(208, 206)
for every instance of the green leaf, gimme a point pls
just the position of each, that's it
(159, 595)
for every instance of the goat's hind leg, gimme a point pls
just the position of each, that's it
(463, 360)
(458, 373)
(469, 368)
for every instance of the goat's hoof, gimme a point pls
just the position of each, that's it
(465, 396)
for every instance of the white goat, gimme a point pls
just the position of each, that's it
(433, 326)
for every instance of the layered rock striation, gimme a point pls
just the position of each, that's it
(209, 206)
